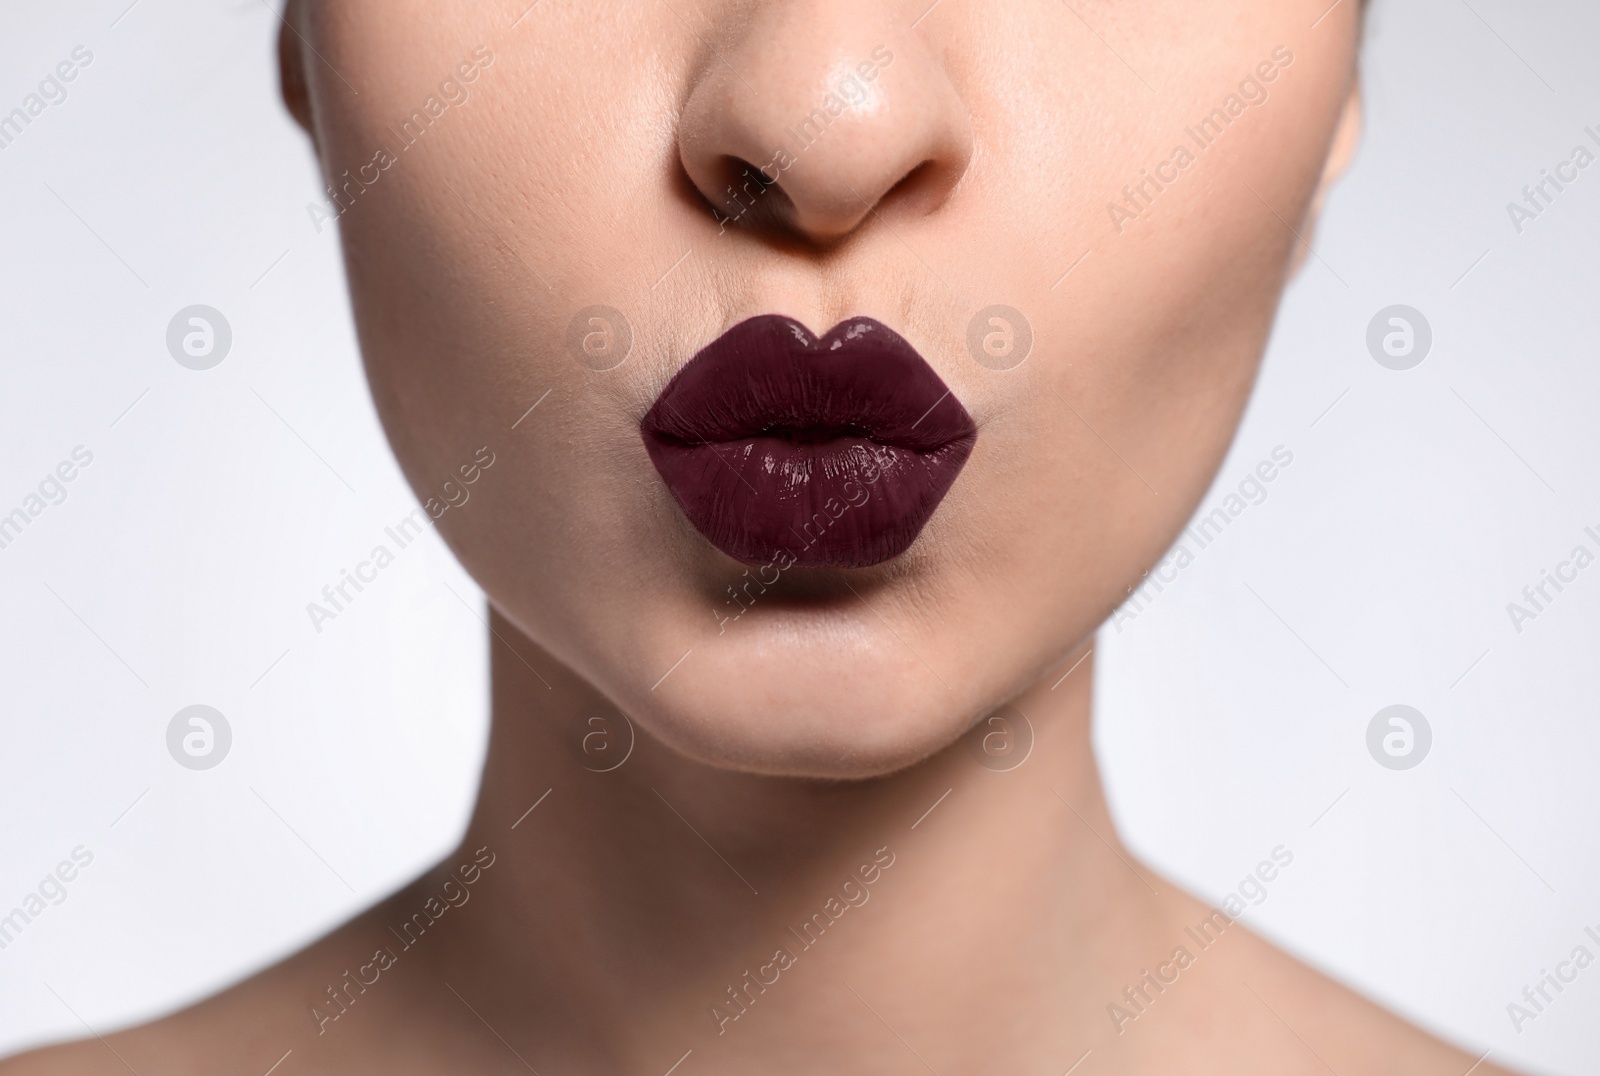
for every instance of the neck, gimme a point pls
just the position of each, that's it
(664, 906)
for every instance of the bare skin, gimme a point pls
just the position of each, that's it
(991, 921)
(606, 930)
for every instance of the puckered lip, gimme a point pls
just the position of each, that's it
(833, 450)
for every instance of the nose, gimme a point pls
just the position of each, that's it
(817, 114)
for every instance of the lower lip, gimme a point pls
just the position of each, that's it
(812, 495)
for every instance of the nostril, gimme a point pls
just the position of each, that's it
(786, 140)
(759, 175)
(925, 186)
(744, 189)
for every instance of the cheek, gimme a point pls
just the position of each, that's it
(1147, 337)
(472, 256)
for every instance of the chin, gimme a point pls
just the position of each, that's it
(801, 696)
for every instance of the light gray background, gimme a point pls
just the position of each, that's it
(1233, 710)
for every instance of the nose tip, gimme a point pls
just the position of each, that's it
(813, 120)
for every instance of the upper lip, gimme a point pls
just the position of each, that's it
(769, 376)
(783, 448)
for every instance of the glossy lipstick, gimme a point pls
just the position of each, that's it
(787, 449)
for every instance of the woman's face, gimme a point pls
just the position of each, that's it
(1123, 179)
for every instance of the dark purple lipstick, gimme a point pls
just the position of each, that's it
(785, 449)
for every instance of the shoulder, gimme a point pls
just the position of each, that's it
(246, 1028)
(322, 1002)
(68, 1060)
(1337, 1027)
